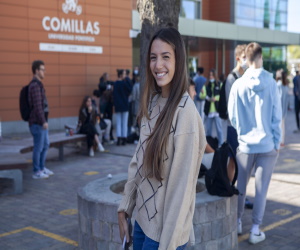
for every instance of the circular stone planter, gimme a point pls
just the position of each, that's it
(214, 218)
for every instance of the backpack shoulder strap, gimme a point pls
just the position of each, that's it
(236, 172)
(234, 75)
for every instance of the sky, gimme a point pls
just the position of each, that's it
(293, 16)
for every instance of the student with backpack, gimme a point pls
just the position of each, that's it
(237, 72)
(38, 121)
(254, 110)
(162, 174)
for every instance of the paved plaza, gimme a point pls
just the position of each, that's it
(45, 216)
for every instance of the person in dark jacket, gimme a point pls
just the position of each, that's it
(88, 119)
(211, 92)
(121, 92)
(296, 81)
(106, 107)
(38, 121)
(103, 82)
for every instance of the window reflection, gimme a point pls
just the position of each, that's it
(190, 9)
(271, 14)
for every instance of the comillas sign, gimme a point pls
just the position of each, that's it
(72, 30)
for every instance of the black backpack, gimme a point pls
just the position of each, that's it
(216, 178)
(222, 108)
(25, 108)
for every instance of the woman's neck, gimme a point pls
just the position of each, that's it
(165, 92)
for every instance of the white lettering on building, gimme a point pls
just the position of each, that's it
(71, 37)
(70, 25)
(84, 31)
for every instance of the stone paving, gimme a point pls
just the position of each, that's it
(45, 215)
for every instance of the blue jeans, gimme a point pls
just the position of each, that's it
(40, 146)
(122, 124)
(200, 108)
(218, 123)
(142, 242)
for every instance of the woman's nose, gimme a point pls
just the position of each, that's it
(159, 63)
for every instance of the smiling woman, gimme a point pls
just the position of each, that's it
(162, 174)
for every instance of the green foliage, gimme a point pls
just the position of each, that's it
(294, 52)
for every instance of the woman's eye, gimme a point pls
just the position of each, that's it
(166, 57)
(152, 58)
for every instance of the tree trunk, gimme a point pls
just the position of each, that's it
(154, 14)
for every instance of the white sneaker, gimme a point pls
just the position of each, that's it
(91, 154)
(100, 147)
(40, 175)
(47, 171)
(256, 238)
(239, 228)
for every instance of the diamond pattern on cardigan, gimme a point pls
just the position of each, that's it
(150, 186)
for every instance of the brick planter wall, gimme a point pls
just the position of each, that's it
(214, 219)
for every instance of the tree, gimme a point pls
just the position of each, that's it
(155, 14)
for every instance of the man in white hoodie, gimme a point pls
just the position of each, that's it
(254, 110)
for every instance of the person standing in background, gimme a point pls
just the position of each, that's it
(211, 93)
(130, 116)
(121, 92)
(283, 89)
(103, 82)
(200, 81)
(38, 121)
(237, 72)
(106, 107)
(135, 100)
(254, 110)
(296, 81)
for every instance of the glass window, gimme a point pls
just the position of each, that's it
(246, 12)
(271, 14)
(190, 9)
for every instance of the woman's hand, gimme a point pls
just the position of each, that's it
(123, 226)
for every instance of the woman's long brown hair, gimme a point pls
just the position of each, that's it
(84, 100)
(158, 139)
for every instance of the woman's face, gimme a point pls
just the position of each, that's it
(89, 102)
(162, 64)
(211, 76)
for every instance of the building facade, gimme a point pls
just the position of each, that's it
(79, 40)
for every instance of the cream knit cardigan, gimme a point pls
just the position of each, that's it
(165, 208)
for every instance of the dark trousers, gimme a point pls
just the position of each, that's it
(90, 131)
(297, 110)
